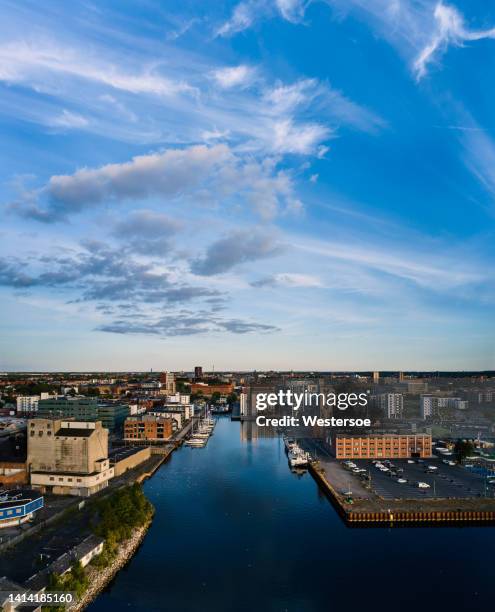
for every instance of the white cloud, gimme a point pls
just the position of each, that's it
(22, 61)
(69, 120)
(291, 10)
(234, 76)
(242, 18)
(289, 279)
(420, 30)
(449, 30)
(320, 98)
(479, 154)
(302, 139)
(214, 173)
(444, 274)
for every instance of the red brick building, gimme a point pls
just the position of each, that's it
(148, 427)
(385, 446)
(208, 389)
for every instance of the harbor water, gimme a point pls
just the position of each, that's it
(236, 530)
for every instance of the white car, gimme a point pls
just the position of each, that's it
(432, 467)
(384, 469)
(401, 480)
(423, 485)
(451, 462)
(410, 461)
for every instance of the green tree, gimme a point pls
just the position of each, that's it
(463, 449)
(232, 398)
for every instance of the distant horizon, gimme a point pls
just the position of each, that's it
(242, 371)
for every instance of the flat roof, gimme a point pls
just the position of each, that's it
(23, 496)
(74, 432)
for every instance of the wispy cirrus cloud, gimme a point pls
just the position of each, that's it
(242, 18)
(449, 29)
(234, 76)
(288, 279)
(22, 61)
(420, 30)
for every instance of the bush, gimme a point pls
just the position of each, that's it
(122, 513)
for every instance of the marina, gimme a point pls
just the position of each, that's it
(201, 431)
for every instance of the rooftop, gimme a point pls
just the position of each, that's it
(73, 432)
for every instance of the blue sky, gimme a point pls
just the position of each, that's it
(260, 184)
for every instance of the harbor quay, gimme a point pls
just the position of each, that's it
(413, 491)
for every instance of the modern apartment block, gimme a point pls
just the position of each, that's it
(149, 428)
(29, 403)
(430, 405)
(387, 446)
(111, 415)
(392, 404)
(68, 457)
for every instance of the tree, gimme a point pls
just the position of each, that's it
(215, 397)
(232, 399)
(463, 449)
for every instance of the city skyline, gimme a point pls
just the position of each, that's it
(264, 184)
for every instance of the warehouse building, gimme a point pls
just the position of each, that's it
(68, 457)
(387, 446)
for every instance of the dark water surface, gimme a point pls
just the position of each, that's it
(235, 530)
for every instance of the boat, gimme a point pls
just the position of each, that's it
(196, 442)
(289, 443)
(298, 457)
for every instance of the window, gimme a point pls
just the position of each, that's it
(52, 478)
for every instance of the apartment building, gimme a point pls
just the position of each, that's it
(431, 405)
(111, 415)
(391, 404)
(148, 427)
(68, 457)
(29, 403)
(207, 390)
(387, 446)
(168, 381)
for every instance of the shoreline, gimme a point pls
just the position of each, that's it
(100, 578)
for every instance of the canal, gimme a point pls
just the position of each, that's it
(235, 530)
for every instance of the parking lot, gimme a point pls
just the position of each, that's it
(446, 482)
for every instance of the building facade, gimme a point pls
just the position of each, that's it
(382, 446)
(148, 428)
(111, 415)
(391, 404)
(68, 457)
(168, 381)
(207, 390)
